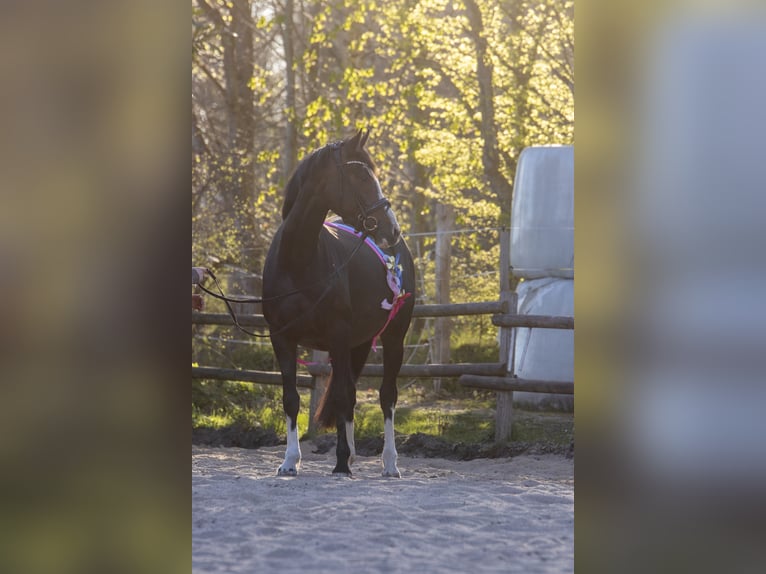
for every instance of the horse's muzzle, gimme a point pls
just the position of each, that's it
(386, 242)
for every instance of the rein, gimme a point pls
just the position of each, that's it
(329, 279)
(227, 301)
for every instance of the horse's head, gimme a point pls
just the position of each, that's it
(341, 177)
(360, 201)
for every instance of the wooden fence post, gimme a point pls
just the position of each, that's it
(320, 384)
(440, 352)
(504, 400)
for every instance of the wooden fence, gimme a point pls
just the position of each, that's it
(496, 377)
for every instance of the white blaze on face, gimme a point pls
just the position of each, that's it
(350, 441)
(293, 453)
(389, 449)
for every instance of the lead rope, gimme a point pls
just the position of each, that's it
(292, 323)
(228, 305)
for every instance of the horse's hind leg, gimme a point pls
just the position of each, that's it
(358, 359)
(287, 354)
(353, 361)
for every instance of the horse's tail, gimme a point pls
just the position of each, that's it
(331, 404)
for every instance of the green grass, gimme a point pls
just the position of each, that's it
(219, 405)
(538, 427)
(454, 414)
(454, 426)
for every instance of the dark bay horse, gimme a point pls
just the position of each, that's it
(325, 287)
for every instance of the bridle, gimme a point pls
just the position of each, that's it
(367, 223)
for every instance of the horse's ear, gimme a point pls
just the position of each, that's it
(354, 141)
(363, 141)
(358, 141)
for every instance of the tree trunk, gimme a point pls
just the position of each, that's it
(238, 69)
(290, 150)
(498, 183)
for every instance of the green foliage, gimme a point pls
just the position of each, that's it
(471, 352)
(405, 68)
(219, 346)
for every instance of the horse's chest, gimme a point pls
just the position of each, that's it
(337, 296)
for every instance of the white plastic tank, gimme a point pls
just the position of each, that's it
(542, 254)
(542, 216)
(545, 353)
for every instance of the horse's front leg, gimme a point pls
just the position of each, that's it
(393, 354)
(287, 354)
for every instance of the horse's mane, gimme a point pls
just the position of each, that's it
(301, 174)
(305, 168)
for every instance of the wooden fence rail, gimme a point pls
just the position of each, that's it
(539, 321)
(246, 320)
(248, 376)
(422, 371)
(458, 309)
(451, 310)
(372, 370)
(517, 384)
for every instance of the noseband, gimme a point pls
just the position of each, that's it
(368, 222)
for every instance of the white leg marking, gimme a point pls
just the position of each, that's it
(350, 441)
(389, 449)
(293, 453)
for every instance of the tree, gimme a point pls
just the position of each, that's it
(233, 162)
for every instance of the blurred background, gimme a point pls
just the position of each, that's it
(94, 234)
(671, 468)
(94, 225)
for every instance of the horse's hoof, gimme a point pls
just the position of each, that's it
(287, 472)
(394, 474)
(342, 473)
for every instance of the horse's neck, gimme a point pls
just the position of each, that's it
(300, 235)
